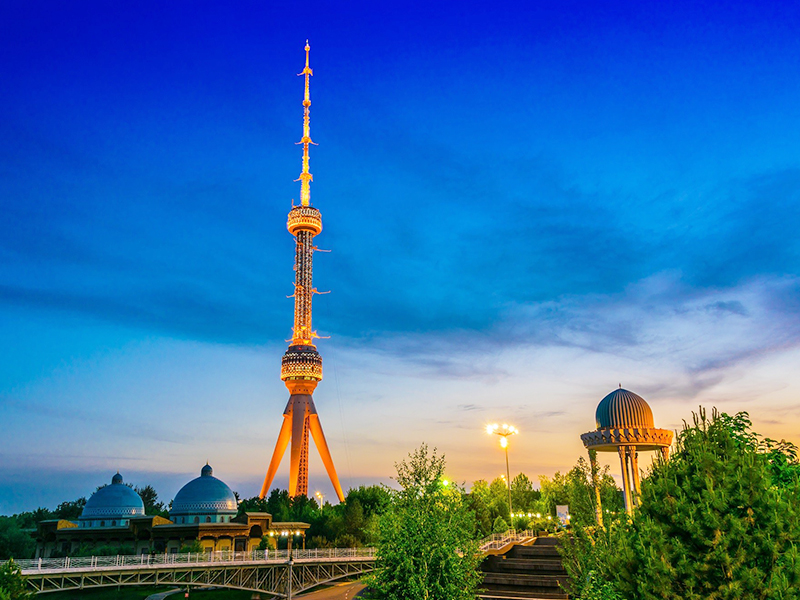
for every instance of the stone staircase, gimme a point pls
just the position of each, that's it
(525, 572)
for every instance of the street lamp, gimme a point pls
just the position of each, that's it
(504, 431)
(321, 497)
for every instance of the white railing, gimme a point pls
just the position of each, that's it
(498, 540)
(189, 558)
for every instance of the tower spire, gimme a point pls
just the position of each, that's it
(301, 366)
(305, 177)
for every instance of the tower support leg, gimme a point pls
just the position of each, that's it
(280, 447)
(325, 453)
(298, 468)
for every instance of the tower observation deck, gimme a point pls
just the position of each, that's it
(301, 366)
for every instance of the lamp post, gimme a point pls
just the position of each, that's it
(321, 498)
(505, 431)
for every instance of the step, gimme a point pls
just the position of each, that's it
(547, 541)
(514, 580)
(534, 551)
(524, 566)
(492, 595)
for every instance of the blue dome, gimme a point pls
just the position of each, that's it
(115, 501)
(623, 409)
(205, 495)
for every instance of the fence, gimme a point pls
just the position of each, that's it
(190, 558)
(498, 540)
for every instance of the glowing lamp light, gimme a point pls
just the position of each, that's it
(445, 482)
(503, 442)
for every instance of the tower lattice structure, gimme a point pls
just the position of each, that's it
(301, 366)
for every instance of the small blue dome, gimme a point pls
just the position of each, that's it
(205, 495)
(115, 501)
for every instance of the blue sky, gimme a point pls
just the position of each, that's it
(526, 206)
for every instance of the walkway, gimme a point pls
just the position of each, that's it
(339, 591)
(162, 595)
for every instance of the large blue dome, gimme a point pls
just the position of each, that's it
(115, 501)
(205, 495)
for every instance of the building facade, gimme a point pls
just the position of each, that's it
(204, 512)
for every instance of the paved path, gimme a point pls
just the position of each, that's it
(339, 591)
(162, 595)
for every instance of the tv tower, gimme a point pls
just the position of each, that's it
(301, 366)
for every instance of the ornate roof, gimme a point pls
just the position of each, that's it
(623, 409)
(115, 501)
(204, 495)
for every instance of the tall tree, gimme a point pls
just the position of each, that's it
(149, 497)
(279, 505)
(720, 520)
(14, 541)
(70, 510)
(426, 546)
(576, 490)
(523, 497)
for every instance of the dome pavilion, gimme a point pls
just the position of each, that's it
(112, 506)
(625, 425)
(205, 499)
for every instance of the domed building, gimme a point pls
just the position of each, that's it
(625, 425)
(112, 506)
(205, 499)
(204, 511)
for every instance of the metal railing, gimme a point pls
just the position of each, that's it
(498, 540)
(134, 561)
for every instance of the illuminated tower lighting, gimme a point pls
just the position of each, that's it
(301, 366)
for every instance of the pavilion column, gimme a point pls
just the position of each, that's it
(626, 485)
(598, 503)
(637, 488)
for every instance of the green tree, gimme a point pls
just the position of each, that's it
(14, 541)
(498, 499)
(720, 520)
(426, 547)
(279, 505)
(500, 525)
(523, 497)
(374, 499)
(575, 489)
(29, 519)
(149, 497)
(303, 509)
(12, 583)
(254, 504)
(70, 510)
(477, 502)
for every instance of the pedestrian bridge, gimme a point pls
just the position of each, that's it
(273, 572)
